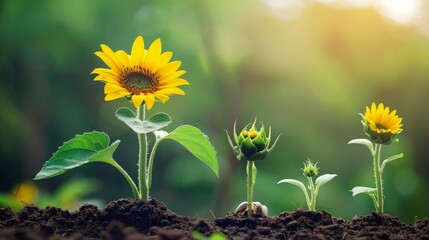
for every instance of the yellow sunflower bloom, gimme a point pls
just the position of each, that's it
(380, 124)
(143, 76)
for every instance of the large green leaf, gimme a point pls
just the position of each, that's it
(197, 143)
(83, 149)
(155, 122)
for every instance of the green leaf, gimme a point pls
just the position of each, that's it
(366, 190)
(83, 149)
(300, 185)
(364, 142)
(197, 143)
(394, 157)
(294, 182)
(234, 148)
(322, 180)
(155, 122)
(215, 236)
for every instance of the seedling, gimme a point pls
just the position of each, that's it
(310, 170)
(215, 236)
(251, 145)
(382, 127)
(143, 77)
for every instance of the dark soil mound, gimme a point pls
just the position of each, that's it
(135, 219)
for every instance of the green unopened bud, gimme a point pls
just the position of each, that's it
(310, 169)
(252, 144)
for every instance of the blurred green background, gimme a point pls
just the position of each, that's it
(306, 68)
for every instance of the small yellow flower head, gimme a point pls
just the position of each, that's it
(26, 192)
(310, 169)
(381, 125)
(143, 76)
(251, 143)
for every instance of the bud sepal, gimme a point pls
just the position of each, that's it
(251, 144)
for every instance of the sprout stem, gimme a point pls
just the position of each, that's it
(312, 205)
(249, 188)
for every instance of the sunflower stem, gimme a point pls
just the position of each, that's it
(378, 181)
(144, 191)
(249, 188)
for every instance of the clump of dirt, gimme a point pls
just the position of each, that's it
(136, 219)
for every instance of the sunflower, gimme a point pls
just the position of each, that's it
(380, 124)
(143, 76)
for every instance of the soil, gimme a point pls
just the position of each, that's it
(135, 219)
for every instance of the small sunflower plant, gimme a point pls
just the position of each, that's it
(143, 77)
(251, 145)
(310, 171)
(382, 126)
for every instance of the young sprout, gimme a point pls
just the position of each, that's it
(251, 145)
(142, 77)
(310, 170)
(382, 127)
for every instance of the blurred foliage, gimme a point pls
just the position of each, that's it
(307, 71)
(69, 195)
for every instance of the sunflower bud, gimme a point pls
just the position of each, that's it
(252, 144)
(310, 169)
(381, 125)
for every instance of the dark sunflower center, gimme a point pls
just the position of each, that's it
(380, 126)
(137, 80)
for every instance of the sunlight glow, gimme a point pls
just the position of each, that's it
(399, 11)
(286, 9)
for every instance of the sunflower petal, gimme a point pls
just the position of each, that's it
(105, 72)
(149, 101)
(153, 54)
(380, 110)
(108, 51)
(162, 97)
(123, 58)
(109, 62)
(115, 95)
(138, 99)
(107, 79)
(174, 83)
(373, 110)
(163, 60)
(102, 71)
(173, 90)
(109, 88)
(384, 116)
(137, 51)
(172, 76)
(168, 69)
